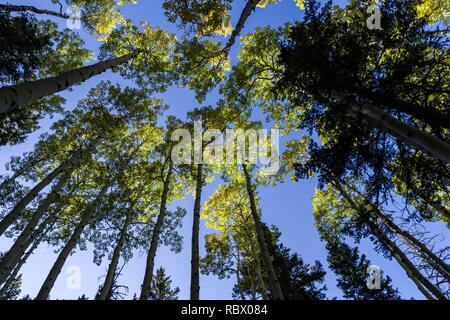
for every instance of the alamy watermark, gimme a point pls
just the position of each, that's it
(234, 146)
(374, 279)
(374, 20)
(74, 20)
(74, 277)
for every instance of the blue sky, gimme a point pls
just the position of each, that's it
(286, 205)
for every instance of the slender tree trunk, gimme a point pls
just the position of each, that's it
(41, 232)
(146, 285)
(252, 285)
(437, 33)
(416, 245)
(408, 134)
(421, 288)
(255, 254)
(393, 249)
(267, 260)
(19, 173)
(259, 275)
(20, 245)
(67, 166)
(21, 205)
(249, 7)
(13, 8)
(426, 254)
(9, 219)
(70, 245)
(407, 265)
(238, 276)
(107, 285)
(18, 96)
(195, 262)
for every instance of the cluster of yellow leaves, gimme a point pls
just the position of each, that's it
(330, 212)
(296, 153)
(101, 16)
(226, 206)
(435, 11)
(205, 18)
(441, 197)
(264, 3)
(201, 65)
(215, 22)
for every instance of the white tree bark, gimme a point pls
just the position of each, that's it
(9, 219)
(20, 95)
(267, 259)
(70, 245)
(13, 255)
(421, 140)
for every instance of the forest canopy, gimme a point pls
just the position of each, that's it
(348, 98)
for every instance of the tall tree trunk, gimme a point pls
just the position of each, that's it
(9, 219)
(421, 140)
(238, 276)
(437, 33)
(107, 285)
(21, 205)
(17, 96)
(394, 250)
(35, 241)
(267, 259)
(195, 262)
(419, 285)
(252, 285)
(255, 253)
(416, 245)
(430, 116)
(146, 285)
(407, 265)
(13, 8)
(426, 254)
(66, 166)
(70, 245)
(19, 172)
(260, 277)
(13, 255)
(249, 7)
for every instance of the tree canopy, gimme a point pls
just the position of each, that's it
(355, 97)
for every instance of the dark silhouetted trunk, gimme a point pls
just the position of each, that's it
(146, 285)
(35, 241)
(21, 171)
(195, 255)
(249, 7)
(109, 280)
(13, 8)
(20, 245)
(394, 250)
